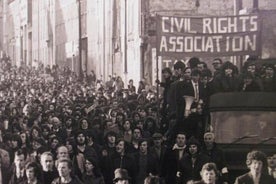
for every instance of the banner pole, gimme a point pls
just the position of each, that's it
(157, 71)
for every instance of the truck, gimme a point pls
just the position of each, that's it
(242, 122)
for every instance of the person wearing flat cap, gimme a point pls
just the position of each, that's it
(121, 176)
(158, 149)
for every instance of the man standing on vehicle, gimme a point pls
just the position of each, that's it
(217, 63)
(179, 67)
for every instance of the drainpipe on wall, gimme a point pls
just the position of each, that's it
(80, 45)
(125, 49)
(38, 35)
(104, 42)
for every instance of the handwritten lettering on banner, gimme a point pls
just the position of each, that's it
(208, 36)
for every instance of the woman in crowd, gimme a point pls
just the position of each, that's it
(228, 80)
(257, 164)
(92, 172)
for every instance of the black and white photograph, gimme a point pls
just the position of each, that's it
(137, 91)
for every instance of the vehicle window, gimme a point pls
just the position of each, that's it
(244, 127)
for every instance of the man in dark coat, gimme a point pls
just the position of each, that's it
(49, 172)
(271, 163)
(146, 162)
(17, 172)
(179, 67)
(80, 152)
(158, 149)
(228, 80)
(122, 159)
(4, 172)
(172, 158)
(216, 156)
(195, 89)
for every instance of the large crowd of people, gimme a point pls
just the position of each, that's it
(57, 127)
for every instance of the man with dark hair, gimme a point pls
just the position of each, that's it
(227, 80)
(193, 62)
(166, 84)
(217, 63)
(109, 143)
(136, 136)
(146, 162)
(271, 163)
(17, 169)
(108, 150)
(158, 149)
(257, 163)
(16, 143)
(179, 68)
(201, 66)
(192, 162)
(197, 93)
(33, 174)
(123, 159)
(269, 78)
(91, 142)
(3, 172)
(80, 152)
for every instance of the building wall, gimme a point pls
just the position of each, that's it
(13, 31)
(95, 36)
(133, 41)
(1, 26)
(213, 8)
(40, 36)
(269, 34)
(52, 35)
(66, 33)
(4, 9)
(106, 38)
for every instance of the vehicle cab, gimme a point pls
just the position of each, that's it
(243, 121)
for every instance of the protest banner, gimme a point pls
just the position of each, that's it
(178, 37)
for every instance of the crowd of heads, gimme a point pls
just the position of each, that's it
(50, 116)
(252, 76)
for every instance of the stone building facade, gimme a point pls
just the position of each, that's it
(117, 36)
